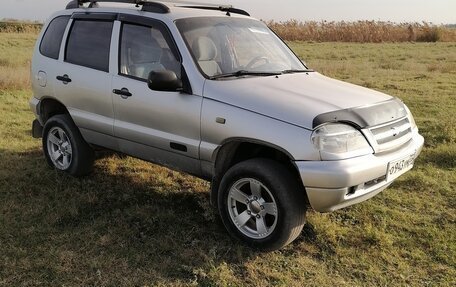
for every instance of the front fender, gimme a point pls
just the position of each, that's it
(222, 122)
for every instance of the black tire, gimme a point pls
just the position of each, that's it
(277, 181)
(81, 159)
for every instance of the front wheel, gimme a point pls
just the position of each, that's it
(64, 147)
(261, 204)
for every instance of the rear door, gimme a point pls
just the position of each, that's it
(83, 81)
(162, 127)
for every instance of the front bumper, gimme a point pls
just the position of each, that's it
(331, 185)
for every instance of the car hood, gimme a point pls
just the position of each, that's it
(294, 98)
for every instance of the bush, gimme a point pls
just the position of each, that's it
(430, 34)
(20, 27)
(362, 31)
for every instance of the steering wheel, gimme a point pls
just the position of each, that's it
(256, 60)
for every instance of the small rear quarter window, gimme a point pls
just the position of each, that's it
(52, 39)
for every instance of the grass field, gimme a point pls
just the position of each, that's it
(132, 223)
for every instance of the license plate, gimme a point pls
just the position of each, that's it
(399, 167)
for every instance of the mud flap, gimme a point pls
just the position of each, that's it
(37, 129)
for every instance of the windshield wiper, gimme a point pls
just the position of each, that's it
(296, 71)
(241, 73)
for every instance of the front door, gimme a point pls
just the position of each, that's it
(162, 127)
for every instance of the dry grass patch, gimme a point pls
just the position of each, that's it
(15, 53)
(362, 31)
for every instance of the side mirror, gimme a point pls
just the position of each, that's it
(165, 80)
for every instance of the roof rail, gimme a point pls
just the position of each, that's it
(158, 7)
(207, 6)
(147, 6)
(225, 8)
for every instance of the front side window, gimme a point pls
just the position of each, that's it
(224, 45)
(52, 39)
(89, 44)
(146, 49)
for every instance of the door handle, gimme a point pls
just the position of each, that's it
(124, 93)
(65, 79)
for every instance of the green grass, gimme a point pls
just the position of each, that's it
(132, 223)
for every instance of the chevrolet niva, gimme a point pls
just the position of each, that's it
(212, 92)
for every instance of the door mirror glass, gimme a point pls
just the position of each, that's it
(164, 80)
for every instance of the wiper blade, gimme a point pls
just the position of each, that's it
(241, 73)
(296, 71)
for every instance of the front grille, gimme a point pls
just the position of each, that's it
(391, 135)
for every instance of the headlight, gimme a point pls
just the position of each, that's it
(411, 119)
(340, 141)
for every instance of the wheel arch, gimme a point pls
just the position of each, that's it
(49, 107)
(235, 150)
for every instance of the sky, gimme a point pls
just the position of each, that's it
(435, 11)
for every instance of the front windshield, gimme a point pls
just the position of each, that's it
(227, 45)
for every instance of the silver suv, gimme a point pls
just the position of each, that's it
(212, 92)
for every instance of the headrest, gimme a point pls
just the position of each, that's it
(204, 49)
(145, 51)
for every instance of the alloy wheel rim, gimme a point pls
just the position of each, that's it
(59, 148)
(252, 208)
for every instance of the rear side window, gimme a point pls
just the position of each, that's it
(89, 44)
(52, 39)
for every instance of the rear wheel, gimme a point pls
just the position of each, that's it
(64, 147)
(261, 204)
